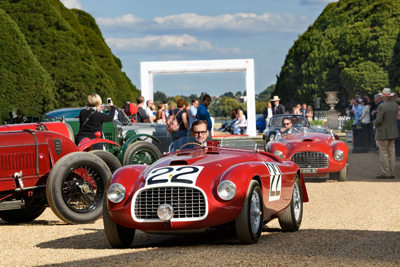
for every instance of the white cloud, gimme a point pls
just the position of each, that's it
(72, 4)
(316, 2)
(239, 22)
(126, 20)
(169, 43)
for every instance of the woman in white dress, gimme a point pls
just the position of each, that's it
(241, 122)
(309, 113)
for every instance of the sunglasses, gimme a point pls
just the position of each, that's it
(199, 132)
(285, 124)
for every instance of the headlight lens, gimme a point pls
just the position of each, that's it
(116, 193)
(271, 137)
(226, 190)
(165, 212)
(279, 154)
(339, 155)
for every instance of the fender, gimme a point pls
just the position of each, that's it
(133, 139)
(86, 143)
(131, 177)
(303, 187)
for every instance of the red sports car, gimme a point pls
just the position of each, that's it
(190, 190)
(316, 154)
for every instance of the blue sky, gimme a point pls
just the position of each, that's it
(172, 30)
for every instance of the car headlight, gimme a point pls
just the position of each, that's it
(271, 137)
(116, 193)
(279, 154)
(226, 190)
(339, 155)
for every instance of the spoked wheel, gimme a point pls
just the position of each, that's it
(117, 235)
(112, 161)
(250, 221)
(75, 188)
(141, 152)
(21, 215)
(290, 221)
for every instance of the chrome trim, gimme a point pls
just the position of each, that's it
(310, 159)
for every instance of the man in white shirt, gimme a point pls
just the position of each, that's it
(149, 112)
(193, 111)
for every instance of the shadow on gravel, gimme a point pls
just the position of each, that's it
(339, 246)
(34, 222)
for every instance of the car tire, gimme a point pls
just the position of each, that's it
(249, 224)
(75, 188)
(290, 221)
(141, 152)
(112, 161)
(21, 215)
(340, 176)
(117, 235)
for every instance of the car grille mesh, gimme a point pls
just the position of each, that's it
(186, 202)
(311, 160)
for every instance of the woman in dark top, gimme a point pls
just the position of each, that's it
(181, 118)
(91, 119)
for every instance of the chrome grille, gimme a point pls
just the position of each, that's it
(186, 202)
(311, 160)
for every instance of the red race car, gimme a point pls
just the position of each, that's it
(42, 166)
(187, 191)
(316, 154)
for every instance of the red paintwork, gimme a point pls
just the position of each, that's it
(238, 166)
(18, 154)
(313, 142)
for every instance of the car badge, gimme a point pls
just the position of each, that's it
(308, 145)
(57, 146)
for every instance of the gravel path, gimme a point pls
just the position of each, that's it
(356, 223)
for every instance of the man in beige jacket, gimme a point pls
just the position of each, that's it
(386, 132)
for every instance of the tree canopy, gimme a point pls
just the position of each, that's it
(352, 47)
(64, 58)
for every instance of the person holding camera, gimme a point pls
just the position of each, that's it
(91, 119)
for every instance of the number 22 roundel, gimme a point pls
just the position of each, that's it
(174, 175)
(275, 181)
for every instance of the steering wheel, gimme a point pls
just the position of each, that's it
(192, 143)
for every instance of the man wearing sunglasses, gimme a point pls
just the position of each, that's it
(287, 126)
(200, 132)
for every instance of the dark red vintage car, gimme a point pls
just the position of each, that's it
(316, 154)
(190, 190)
(42, 166)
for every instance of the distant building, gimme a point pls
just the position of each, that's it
(242, 99)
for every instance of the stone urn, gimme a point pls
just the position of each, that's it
(332, 99)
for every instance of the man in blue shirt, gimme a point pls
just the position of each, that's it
(357, 110)
(202, 113)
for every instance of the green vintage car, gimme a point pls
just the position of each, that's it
(140, 143)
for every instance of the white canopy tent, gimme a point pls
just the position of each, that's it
(147, 69)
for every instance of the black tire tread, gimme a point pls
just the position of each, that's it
(108, 158)
(287, 221)
(118, 236)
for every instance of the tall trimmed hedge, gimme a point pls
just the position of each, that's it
(69, 47)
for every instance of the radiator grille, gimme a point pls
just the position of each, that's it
(311, 160)
(186, 202)
(17, 161)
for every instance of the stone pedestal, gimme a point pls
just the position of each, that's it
(332, 117)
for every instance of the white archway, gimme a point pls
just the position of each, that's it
(147, 69)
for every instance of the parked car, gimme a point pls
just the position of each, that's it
(140, 143)
(260, 123)
(275, 125)
(42, 166)
(316, 154)
(193, 189)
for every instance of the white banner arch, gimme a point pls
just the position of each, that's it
(148, 69)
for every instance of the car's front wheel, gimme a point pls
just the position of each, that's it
(111, 160)
(141, 152)
(341, 176)
(290, 221)
(117, 235)
(250, 221)
(75, 188)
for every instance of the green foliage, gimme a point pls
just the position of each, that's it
(347, 125)
(67, 47)
(352, 46)
(315, 123)
(24, 83)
